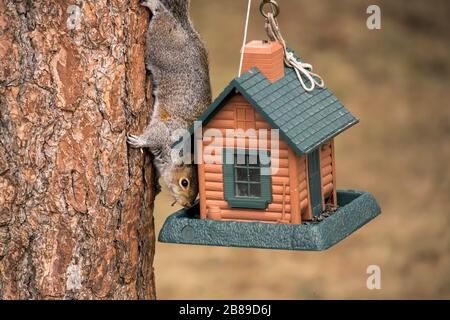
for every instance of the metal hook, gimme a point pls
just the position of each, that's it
(273, 4)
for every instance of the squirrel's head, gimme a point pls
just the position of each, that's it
(184, 184)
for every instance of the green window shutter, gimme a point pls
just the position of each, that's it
(266, 185)
(315, 186)
(228, 176)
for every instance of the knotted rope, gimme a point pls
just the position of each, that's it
(300, 68)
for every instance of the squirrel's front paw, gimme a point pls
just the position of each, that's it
(136, 142)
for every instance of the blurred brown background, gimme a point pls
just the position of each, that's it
(396, 80)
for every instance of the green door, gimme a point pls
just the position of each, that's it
(314, 182)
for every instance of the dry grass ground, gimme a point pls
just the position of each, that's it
(396, 81)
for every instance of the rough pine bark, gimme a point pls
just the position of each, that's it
(76, 205)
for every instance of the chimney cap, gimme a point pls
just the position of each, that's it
(262, 46)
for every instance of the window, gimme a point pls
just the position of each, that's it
(247, 173)
(245, 184)
(245, 118)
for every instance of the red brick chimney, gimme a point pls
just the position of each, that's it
(268, 57)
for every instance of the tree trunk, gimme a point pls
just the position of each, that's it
(76, 205)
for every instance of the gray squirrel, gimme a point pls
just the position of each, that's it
(178, 64)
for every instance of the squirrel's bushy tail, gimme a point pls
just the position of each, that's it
(179, 9)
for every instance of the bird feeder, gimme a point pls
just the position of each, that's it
(266, 163)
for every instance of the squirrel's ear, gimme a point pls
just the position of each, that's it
(180, 160)
(177, 157)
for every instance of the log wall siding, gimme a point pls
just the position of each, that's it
(303, 187)
(328, 174)
(201, 185)
(211, 178)
(295, 194)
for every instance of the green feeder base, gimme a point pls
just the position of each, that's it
(356, 208)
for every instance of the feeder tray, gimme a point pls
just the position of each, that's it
(356, 208)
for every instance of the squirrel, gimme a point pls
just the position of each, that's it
(177, 61)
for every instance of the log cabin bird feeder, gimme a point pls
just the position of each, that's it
(253, 195)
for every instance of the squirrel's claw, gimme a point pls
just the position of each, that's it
(135, 142)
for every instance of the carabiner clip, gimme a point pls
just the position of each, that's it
(273, 4)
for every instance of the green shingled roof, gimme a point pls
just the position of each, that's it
(305, 119)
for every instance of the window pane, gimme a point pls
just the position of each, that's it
(241, 125)
(241, 114)
(255, 190)
(240, 159)
(241, 174)
(254, 175)
(242, 190)
(249, 125)
(249, 115)
(253, 160)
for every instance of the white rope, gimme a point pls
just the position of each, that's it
(300, 68)
(245, 36)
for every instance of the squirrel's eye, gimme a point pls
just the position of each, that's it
(184, 183)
